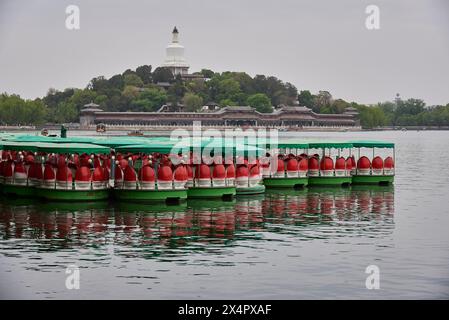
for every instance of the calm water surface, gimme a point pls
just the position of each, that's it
(303, 244)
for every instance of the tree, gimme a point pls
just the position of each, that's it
(38, 112)
(322, 100)
(131, 92)
(54, 97)
(162, 74)
(81, 97)
(261, 102)
(339, 106)
(117, 81)
(144, 72)
(133, 80)
(207, 73)
(371, 117)
(275, 89)
(228, 89)
(101, 100)
(227, 102)
(212, 87)
(65, 112)
(16, 111)
(305, 98)
(410, 106)
(176, 92)
(388, 108)
(99, 85)
(150, 99)
(199, 88)
(292, 92)
(192, 102)
(245, 82)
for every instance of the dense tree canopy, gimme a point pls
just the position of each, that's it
(149, 99)
(145, 89)
(192, 102)
(261, 102)
(16, 111)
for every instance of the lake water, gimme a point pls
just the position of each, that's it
(304, 244)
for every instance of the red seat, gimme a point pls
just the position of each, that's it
(219, 175)
(49, 178)
(341, 167)
(363, 166)
(292, 168)
(63, 177)
(388, 166)
(313, 166)
(254, 175)
(327, 166)
(230, 175)
(129, 178)
(164, 177)
(147, 177)
(241, 176)
(180, 177)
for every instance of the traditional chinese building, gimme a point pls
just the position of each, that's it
(286, 116)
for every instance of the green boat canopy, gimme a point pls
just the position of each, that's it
(101, 144)
(42, 139)
(111, 142)
(49, 147)
(332, 144)
(18, 146)
(114, 143)
(292, 144)
(72, 148)
(145, 148)
(30, 138)
(372, 144)
(168, 147)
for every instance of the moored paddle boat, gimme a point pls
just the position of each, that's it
(323, 170)
(16, 159)
(145, 173)
(213, 174)
(234, 166)
(290, 169)
(249, 176)
(72, 172)
(379, 170)
(42, 170)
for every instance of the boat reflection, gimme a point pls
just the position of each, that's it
(303, 213)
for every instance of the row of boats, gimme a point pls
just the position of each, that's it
(159, 169)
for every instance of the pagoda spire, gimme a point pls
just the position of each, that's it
(175, 35)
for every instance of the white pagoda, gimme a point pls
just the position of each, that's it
(175, 60)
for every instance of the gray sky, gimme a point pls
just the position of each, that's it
(314, 44)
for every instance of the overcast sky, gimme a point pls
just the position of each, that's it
(314, 44)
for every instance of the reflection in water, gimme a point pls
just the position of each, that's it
(296, 212)
(177, 229)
